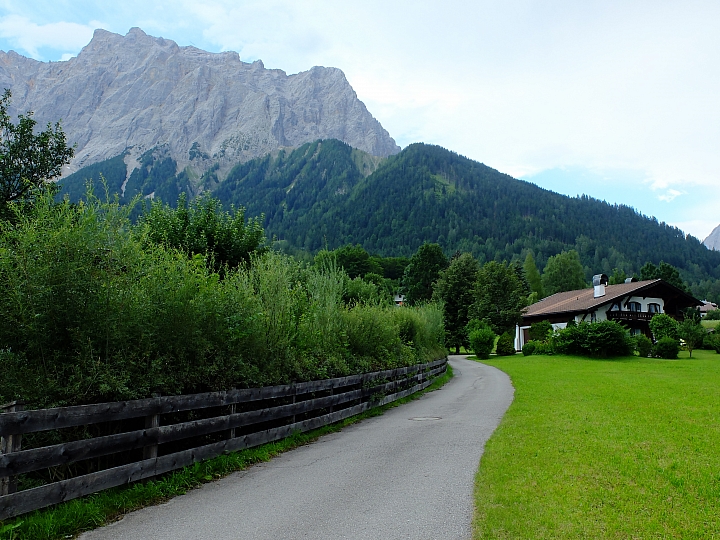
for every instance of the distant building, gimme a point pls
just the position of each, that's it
(399, 299)
(632, 303)
(707, 307)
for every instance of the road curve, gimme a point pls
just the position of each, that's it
(407, 474)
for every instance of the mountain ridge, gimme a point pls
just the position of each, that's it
(713, 239)
(136, 92)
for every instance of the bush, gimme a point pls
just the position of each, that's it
(713, 315)
(662, 325)
(643, 345)
(540, 331)
(544, 347)
(602, 339)
(482, 341)
(667, 348)
(529, 348)
(505, 345)
(712, 342)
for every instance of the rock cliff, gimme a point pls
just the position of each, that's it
(139, 92)
(713, 239)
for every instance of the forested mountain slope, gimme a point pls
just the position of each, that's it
(327, 194)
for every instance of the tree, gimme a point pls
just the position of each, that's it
(618, 276)
(532, 274)
(204, 228)
(663, 325)
(563, 272)
(455, 288)
(692, 333)
(667, 272)
(28, 161)
(500, 297)
(422, 271)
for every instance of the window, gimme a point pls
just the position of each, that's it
(654, 308)
(634, 306)
(615, 307)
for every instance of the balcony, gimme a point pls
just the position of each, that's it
(629, 316)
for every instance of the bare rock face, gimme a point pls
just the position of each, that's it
(713, 240)
(138, 92)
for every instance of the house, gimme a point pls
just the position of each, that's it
(632, 303)
(706, 307)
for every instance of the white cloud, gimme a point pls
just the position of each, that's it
(30, 37)
(670, 195)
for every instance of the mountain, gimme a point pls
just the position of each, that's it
(713, 239)
(134, 94)
(326, 193)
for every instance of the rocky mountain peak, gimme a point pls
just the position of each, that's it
(137, 92)
(713, 239)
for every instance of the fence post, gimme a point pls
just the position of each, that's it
(294, 400)
(10, 443)
(152, 421)
(233, 408)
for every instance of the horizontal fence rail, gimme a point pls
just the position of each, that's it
(262, 420)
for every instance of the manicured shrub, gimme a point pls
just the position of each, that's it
(643, 345)
(482, 341)
(529, 348)
(540, 331)
(544, 347)
(667, 348)
(600, 339)
(662, 325)
(505, 345)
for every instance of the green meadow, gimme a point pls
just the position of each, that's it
(626, 448)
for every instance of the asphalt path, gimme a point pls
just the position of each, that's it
(407, 474)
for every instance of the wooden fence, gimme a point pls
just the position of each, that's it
(245, 418)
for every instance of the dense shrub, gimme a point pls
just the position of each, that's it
(544, 347)
(482, 338)
(667, 348)
(643, 345)
(92, 310)
(529, 348)
(540, 331)
(600, 339)
(663, 325)
(505, 345)
(713, 315)
(712, 341)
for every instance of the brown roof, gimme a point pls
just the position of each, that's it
(583, 300)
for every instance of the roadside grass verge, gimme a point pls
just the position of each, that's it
(69, 519)
(622, 448)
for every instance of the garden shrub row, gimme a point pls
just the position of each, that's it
(94, 309)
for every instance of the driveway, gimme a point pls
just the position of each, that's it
(406, 474)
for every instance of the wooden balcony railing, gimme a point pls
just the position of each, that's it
(630, 316)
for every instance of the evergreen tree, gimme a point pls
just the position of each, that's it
(455, 288)
(563, 272)
(666, 272)
(500, 297)
(532, 274)
(422, 272)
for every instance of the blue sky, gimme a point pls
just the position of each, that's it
(618, 100)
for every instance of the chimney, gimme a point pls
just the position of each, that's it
(599, 282)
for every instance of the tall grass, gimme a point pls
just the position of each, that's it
(92, 309)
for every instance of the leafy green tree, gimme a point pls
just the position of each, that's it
(618, 276)
(356, 261)
(455, 288)
(500, 297)
(692, 333)
(540, 331)
(422, 272)
(666, 272)
(663, 325)
(28, 160)
(532, 274)
(563, 272)
(204, 228)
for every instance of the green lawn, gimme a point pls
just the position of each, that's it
(710, 324)
(604, 449)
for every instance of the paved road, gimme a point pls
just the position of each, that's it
(402, 475)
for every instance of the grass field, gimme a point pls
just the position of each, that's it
(624, 448)
(710, 324)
